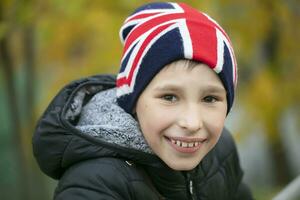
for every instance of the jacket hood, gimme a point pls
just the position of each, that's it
(83, 122)
(105, 120)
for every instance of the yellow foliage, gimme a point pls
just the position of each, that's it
(266, 97)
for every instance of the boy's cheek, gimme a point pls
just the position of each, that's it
(216, 120)
(215, 126)
(217, 131)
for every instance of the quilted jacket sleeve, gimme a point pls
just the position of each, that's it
(93, 180)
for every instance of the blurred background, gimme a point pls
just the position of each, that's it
(44, 44)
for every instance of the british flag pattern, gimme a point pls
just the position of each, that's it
(159, 33)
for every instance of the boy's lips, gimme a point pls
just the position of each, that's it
(185, 144)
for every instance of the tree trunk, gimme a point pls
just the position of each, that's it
(14, 114)
(29, 73)
(270, 48)
(281, 166)
(30, 107)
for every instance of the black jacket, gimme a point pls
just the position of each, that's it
(90, 168)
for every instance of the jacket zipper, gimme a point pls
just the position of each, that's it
(190, 186)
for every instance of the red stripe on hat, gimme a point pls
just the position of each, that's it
(203, 36)
(204, 43)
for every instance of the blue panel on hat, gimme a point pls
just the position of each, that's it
(154, 6)
(126, 31)
(226, 76)
(123, 64)
(164, 51)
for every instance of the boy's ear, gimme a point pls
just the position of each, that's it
(134, 114)
(134, 111)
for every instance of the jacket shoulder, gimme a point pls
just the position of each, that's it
(102, 178)
(95, 178)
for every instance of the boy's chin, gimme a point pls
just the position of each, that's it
(183, 165)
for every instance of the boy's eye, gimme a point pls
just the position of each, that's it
(210, 99)
(169, 97)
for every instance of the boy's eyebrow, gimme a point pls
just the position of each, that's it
(215, 88)
(168, 87)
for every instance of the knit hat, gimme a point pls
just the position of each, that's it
(157, 34)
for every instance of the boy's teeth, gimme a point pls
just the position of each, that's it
(185, 144)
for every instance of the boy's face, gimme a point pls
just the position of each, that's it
(181, 113)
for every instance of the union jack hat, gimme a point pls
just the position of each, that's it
(157, 34)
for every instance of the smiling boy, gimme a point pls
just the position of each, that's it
(182, 113)
(157, 130)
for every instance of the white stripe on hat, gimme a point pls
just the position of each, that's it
(220, 51)
(186, 39)
(221, 39)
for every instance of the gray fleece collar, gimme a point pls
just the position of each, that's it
(103, 119)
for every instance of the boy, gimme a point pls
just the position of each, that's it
(159, 132)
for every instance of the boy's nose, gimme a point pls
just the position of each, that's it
(191, 119)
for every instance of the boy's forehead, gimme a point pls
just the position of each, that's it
(183, 63)
(180, 67)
